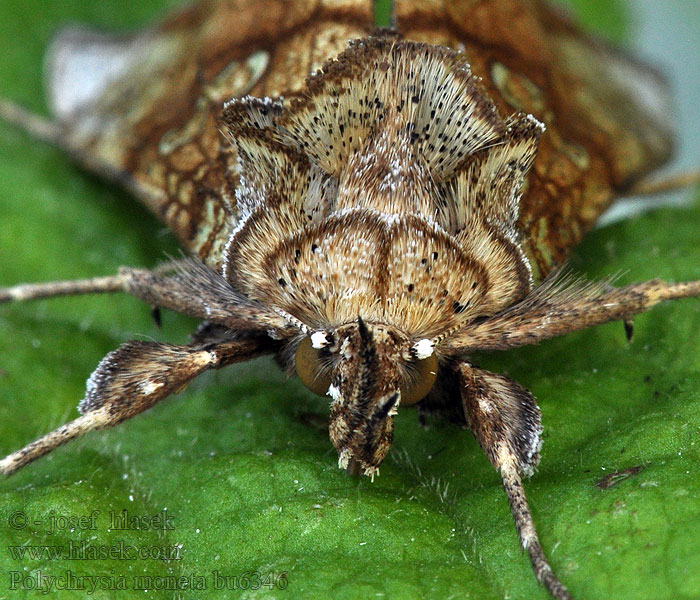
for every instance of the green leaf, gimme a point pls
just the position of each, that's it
(247, 477)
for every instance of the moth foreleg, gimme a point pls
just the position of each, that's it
(556, 309)
(186, 286)
(505, 420)
(132, 379)
(52, 289)
(127, 280)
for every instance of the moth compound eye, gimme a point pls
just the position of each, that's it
(422, 379)
(310, 368)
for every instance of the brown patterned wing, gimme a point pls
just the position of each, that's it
(606, 114)
(144, 109)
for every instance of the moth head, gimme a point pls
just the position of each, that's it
(368, 370)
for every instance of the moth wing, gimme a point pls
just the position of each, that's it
(607, 114)
(80, 64)
(144, 109)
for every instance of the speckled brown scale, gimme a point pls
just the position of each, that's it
(599, 140)
(170, 152)
(154, 125)
(409, 154)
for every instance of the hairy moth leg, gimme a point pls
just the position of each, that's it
(54, 289)
(186, 286)
(562, 305)
(505, 420)
(132, 379)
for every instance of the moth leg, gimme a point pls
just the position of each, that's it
(186, 286)
(133, 378)
(650, 186)
(52, 289)
(126, 280)
(560, 306)
(505, 420)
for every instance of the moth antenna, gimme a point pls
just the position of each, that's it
(35, 125)
(650, 186)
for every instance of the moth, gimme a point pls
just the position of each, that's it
(371, 225)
